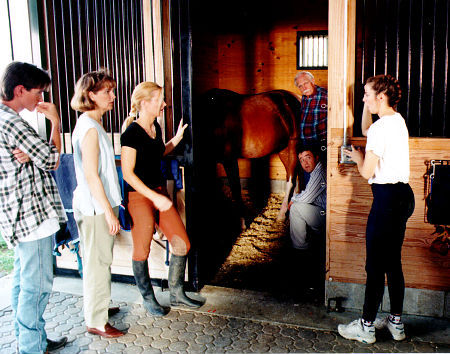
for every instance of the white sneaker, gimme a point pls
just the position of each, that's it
(356, 331)
(397, 330)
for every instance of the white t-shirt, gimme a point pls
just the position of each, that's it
(388, 138)
(45, 229)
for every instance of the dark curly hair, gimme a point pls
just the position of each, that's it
(25, 74)
(388, 85)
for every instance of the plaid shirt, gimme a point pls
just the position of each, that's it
(313, 123)
(28, 193)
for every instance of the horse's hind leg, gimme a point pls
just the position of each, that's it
(288, 157)
(232, 170)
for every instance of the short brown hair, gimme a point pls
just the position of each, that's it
(93, 81)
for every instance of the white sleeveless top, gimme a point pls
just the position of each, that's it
(82, 197)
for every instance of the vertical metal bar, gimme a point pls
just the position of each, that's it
(397, 42)
(96, 26)
(421, 68)
(10, 32)
(142, 45)
(88, 37)
(433, 67)
(444, 125)
(80, 41)
(73, 63)
(116, 51)
(408, 101)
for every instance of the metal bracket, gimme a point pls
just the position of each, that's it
(343, 158)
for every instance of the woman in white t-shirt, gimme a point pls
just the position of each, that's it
(386, 166)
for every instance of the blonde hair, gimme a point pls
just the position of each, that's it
(90, 82)
(141, 92)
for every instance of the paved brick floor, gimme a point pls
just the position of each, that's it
(187, 331)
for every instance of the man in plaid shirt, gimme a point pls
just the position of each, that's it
(30, 207)
(313, 123)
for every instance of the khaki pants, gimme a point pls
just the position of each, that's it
(97, 252)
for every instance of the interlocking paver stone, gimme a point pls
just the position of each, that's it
(133, 350)
(127, 338)
(169, 333)
(162, 322)
(115, 348)
(71, 349)
(266, 338)
(152, 332)
(193, 327)
(204, 339)
(160, 343)
(202, 319)
(260, 347)
(270, 329)
(98, 345)
(136, 329)
(196, 348)
(144, 341)
(151, 351)
(323, 347)
(178, 346)
(178, 325)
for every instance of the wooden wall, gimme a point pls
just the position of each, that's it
(350, 200)
(349, 195)
(254, 53)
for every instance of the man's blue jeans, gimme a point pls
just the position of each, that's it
(31, 288)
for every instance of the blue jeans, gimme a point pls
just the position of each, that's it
(31, 288)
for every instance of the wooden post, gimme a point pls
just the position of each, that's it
(341, 76)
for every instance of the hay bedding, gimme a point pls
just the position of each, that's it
(257, 256)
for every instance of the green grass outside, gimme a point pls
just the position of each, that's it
(6, 258)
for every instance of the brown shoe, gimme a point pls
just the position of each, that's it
(110, 331)
(112, 311)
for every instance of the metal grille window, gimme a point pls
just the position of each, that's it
(86, 35)
(408, 40)
(312, 50)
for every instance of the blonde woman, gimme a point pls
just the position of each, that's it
(148, 203)
(97, 197)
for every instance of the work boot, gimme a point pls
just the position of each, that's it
(53, 345)
(143, 282)
(176, 280)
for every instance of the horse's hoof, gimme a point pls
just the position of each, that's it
(281, 216)
(243, 226)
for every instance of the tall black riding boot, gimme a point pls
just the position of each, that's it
(176, 280)
(143, 282)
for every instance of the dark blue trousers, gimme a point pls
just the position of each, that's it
(392, 205)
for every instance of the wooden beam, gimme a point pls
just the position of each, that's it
(341, 73)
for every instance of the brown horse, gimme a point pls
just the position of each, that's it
(253, 126)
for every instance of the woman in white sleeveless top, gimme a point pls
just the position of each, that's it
(97, 197)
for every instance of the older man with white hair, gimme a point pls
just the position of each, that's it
(313, 123)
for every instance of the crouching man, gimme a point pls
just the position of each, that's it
(307, 216)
